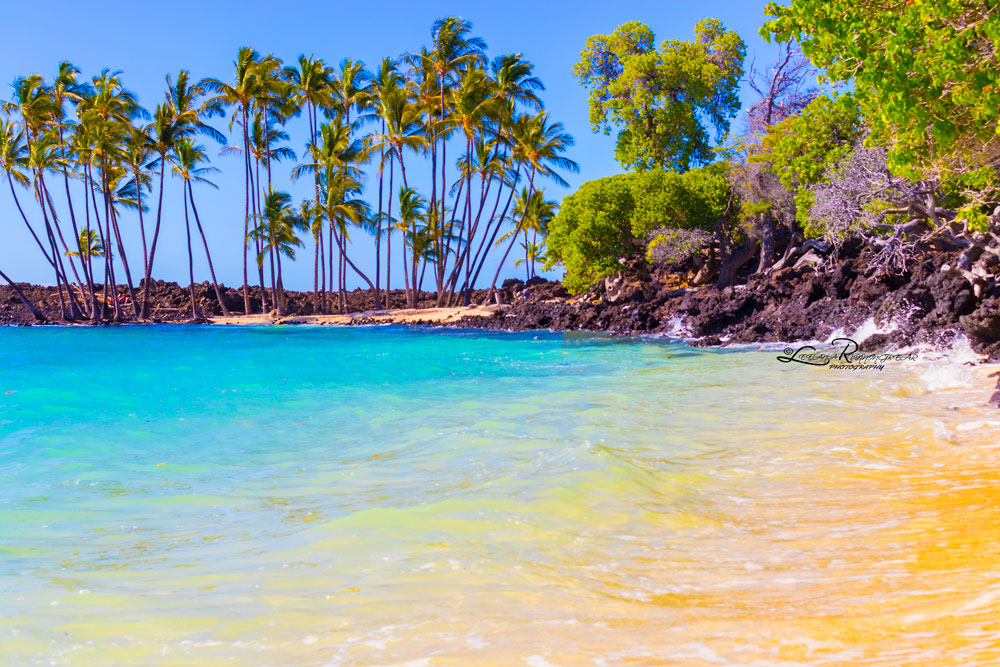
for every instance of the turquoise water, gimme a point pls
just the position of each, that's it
(194, 495)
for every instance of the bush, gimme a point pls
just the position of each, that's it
(612, 218)
(592, 231)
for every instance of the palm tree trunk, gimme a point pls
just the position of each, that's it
(406, 274)
(76, 307)
(208, 255)
(322, 266)
(142, 224)
(378, 225)
(104, 243)
(329, 260)
(246, 221)
(388, 242)
(121, 248)
(121, 252)
(58, 230)
(415, 260)
(187, 226)
(31, 229)
(452, 281)
(281, 290)
(37, 314)
(90, 258)
(470, 259)
(318, 241)
(54, 249)
(255, 210)
(496, 230)
(513, 238)
(108, 255)
(72, 216)
(152, 247)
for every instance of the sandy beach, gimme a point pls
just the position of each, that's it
(407, 316)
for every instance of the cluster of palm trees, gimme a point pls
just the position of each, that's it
(403, 115)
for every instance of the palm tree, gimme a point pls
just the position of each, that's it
(474, 106)
(277, 231)
(163, 133)
(452, 50)
(344, 208)
(539, 144)
(89, 244)
(272, 97)
(137, 153)
(403, 131)
(352, 89)
(109, 109)
(535, 213)
(515, 81)
(187, 156)
(14, 163)
(240, 95)
(386, 78)
(190, 111)
(264, 149)
(35, 105)
(412, 210)
(312, 84)
(66, 88)
(337, 158)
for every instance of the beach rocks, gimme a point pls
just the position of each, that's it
(808, 301)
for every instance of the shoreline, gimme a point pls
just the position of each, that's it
(492, 318)
(406, 316)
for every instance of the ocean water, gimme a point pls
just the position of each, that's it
(391, 496)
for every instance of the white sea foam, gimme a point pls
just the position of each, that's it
(867, 329)
(676, 328)
(952, 367)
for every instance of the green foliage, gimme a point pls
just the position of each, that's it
(611, 218)
(926, 76)
(592, 231)
(661, 99)
(696, 199)
(801, 148)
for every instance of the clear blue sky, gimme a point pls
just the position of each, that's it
(148, 40)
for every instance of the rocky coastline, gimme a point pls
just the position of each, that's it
(930, 303)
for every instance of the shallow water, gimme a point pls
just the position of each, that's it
(380, 496)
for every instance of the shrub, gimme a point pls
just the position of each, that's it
(612, 218)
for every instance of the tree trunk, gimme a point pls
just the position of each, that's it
(152, 247)
(187, 226)
(246, 222)
(37, 314)
(388, 241)
(766, 243)
(208, 255)
(736, 259)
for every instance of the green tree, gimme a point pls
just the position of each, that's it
(800, 149)
(89, 244)
(592, 231)
(278, 232)
(926, 76)
(615, 217)
(662, 99)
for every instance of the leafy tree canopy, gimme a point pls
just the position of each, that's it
(926, 78)
(612, 217)
(662, 99)
(801, 148)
